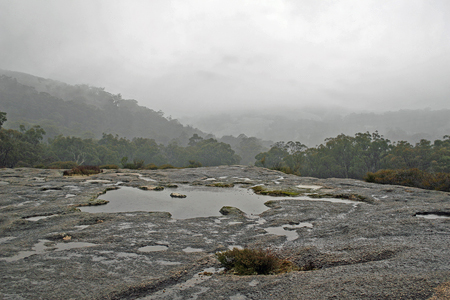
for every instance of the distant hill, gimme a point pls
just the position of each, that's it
(82, 110)
(313, 127)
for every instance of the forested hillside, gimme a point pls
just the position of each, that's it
(83, 111)
(313, 126)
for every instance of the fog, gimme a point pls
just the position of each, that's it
(205, 57)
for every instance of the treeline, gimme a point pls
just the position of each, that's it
(354, 156)
(24, 148)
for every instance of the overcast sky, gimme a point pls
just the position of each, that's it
(183, 56)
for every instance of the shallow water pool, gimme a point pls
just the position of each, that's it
(200, 201)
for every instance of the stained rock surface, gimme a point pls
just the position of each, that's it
(380, 242)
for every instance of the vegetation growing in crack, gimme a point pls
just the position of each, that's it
(254, 262)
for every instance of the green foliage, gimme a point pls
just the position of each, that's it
(353, 157)
(22, 146)
(83, 170)
(109, 166)
(194, 164)
(249, 261)
(262, 191)
(411, 177)
(151, 167)
(166, 166)
(2, 118)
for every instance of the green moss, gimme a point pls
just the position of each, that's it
(278, 193)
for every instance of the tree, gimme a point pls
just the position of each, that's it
(20, 146)
(2, 118)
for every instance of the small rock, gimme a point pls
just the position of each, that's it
(151, 188)
(177, 195)
(230, 210)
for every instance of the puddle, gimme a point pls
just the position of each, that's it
(200, 201)
(231, 247)
(254, 282)
(192, 250)
(5, 239)
(332, 200)
(291, 235)
(97, 181)
(433, 216)
(153, 248)
(81, 227)
(168, 263)
(37, 218)
(146, 178)
(41, 248)
(309, 187)
(300, 225)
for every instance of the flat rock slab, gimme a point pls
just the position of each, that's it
(375, 249)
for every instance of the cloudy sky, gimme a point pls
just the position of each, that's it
(184, 56)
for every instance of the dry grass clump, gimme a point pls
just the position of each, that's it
(253, 262)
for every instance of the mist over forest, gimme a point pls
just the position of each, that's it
(87, 111)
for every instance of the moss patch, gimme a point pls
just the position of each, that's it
(277, 193)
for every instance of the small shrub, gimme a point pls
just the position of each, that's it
(130, 166)
(110, 166)
(166, 166)
(249, 261)
(194, 164)
(22, 164)
(151, 167)
(83, 170)
(138, 163)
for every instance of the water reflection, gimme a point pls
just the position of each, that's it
(200, 201)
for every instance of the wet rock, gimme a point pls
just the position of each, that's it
(376, 245)
(151, 188)
(230, 210)
(177, 195)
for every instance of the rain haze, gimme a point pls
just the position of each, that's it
(202, 57)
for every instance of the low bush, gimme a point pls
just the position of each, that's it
(249, 261)
(194, 164)
(411, 177)
(151, 167)
(110, 166)
(166, 166)
(83, 170)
